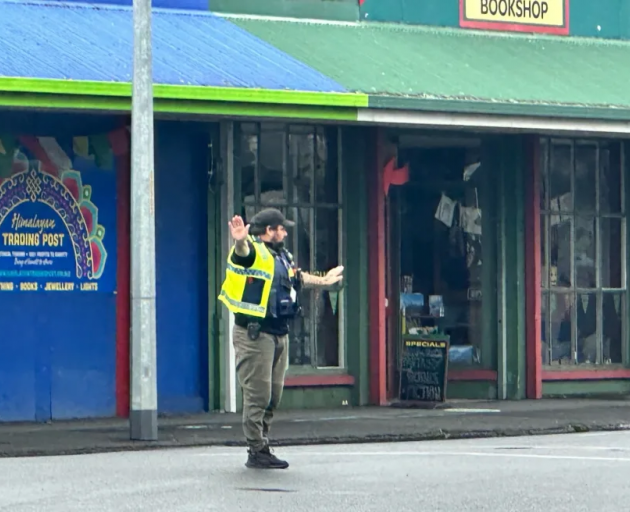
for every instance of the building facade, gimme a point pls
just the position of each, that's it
(473, 151)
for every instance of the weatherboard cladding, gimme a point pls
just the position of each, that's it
(94, 42)
(437, 63)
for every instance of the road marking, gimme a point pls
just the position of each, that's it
(559, 447)
(432, 454)
(473, 411)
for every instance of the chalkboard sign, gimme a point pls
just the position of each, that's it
(423, 369)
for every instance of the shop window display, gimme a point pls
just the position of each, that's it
(441, 250)
(295, 169)
(582, 253)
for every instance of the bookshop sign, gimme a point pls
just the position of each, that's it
(543, 16)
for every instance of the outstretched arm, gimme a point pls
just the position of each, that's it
(328, 281)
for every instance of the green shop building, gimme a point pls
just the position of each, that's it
(465, 160)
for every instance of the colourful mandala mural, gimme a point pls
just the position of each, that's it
(71, 201)
(51, 236)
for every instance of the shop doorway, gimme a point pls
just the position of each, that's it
(435, 251)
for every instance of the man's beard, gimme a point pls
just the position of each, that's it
(276, 246)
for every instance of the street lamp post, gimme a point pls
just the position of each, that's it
(143, 414)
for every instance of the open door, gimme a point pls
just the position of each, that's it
(392, 287)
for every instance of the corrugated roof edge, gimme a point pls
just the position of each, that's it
(114, 96)
(483, 107)
(183, 92)
(113, 7)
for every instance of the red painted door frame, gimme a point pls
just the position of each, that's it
(123, 278)
(376, 265)
(533, 269)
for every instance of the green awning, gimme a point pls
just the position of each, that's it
(444, 69)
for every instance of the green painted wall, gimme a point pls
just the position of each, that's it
(587, 18)
(591, 18)
(354, 153)
(504, 155)
(585, 388)
(471, 390)
(444, 13)
(316, 398)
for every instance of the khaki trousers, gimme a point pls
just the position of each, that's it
(260, 366)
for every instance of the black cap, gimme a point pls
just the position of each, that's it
(271, 217)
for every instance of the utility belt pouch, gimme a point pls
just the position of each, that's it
(287, 308)
(253, 331)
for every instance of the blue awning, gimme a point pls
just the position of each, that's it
(70, 41)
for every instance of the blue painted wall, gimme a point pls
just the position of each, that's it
(58, 349)
(182, 263)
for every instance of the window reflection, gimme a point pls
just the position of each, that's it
(582, 240)
(558, 322)
(585, 178)
(441, 249)
(614, 307)
(611, 250)
(295, 168)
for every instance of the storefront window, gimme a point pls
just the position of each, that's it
(582, 250)
(295, 169)
(442, 248)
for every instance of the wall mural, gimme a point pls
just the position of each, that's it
(58, 213)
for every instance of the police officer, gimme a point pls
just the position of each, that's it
(261, 288)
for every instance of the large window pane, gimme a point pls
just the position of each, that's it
(326, 313)
(327, 173)
(560, 253)
(302, 237)
(327, 243)
(301, 161)
(586, 314)
(545, 328)
(294, 168)
(611, 234)
(560, 171)
(585, 252)
(582, 243)
(544, 263)
(301, 346)
(614, 308)
(544, 175)
(585, 178)
(610, 182)
(248, 162)
(271, 168)
(560, 325)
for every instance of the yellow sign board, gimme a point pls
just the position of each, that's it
(547, 16)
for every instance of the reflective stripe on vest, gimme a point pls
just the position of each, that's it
(243, 305)
(237, 280)
(250, 272)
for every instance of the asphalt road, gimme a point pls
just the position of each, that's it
(577, 472)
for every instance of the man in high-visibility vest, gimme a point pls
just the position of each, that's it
(261, 288)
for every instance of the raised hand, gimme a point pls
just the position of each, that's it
(333, 276)
(238, 229)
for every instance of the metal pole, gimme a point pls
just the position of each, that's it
(143, 415)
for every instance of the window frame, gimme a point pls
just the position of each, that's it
(574, 291)
(313, 205)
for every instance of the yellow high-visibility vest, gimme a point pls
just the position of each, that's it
(246, 290)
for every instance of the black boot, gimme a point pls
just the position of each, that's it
(264, 459)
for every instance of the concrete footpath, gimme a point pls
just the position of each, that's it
(465, 419)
